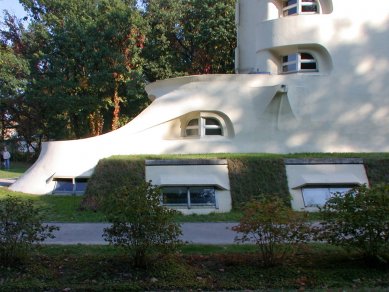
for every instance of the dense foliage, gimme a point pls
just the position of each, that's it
(205, 268)
(358, 220)
(377, 169)
(253, 177)
(110, 176)
(275, 228)
(21, 229)
(140, 224)
(77, 68)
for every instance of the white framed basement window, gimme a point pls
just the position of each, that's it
(204, 126)
(318, 196)
(299, 62)
(73, 185)
(189, 197)
(295, 7)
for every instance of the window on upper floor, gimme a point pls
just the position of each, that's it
(293, 7)
(204, 126)
(299, 62)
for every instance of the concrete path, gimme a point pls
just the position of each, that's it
(91, 233)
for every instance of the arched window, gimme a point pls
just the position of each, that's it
(204, 126)
(293, 7)
(299, 62)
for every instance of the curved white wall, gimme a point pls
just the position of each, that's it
(343, 107)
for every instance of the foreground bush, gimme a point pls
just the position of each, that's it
(358, 220)
(21, 230)
(274, 228)
(140, 224)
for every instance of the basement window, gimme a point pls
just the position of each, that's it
(189, 197)
(318, 196)
(73, 185)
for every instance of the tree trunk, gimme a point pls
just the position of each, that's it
(116, 107)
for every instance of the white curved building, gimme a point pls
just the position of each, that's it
(311, 76)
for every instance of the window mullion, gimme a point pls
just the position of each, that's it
(188, 196)
(202, 126)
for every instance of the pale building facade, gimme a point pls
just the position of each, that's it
(311, 77)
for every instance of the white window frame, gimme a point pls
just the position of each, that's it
(298, 7)
(190, 204)
(74, 181)
(298, 61)
(202, 126)
(327, 192)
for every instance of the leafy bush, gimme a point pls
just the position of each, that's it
(274, 227)
(377, 170)
(20, 229)
(358, 220)
(111, 175)
(250, 176)
(140, 223)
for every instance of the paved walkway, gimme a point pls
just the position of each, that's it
(91, 233)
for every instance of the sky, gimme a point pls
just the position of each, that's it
(13, 6)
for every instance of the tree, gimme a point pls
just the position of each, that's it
(87, 64)
(189, 37)
(358, 220)
(140, 223)
(275, 228)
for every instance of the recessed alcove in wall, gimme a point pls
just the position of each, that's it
(276, 58)
(200, 124)
(283, 8)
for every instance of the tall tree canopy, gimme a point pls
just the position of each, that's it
(189, 37)
(80, 67)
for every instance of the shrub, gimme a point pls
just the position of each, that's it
(111, 175)
(274, 228)
(358, 220)
(20, 229)
(250, 176)
(140, 223)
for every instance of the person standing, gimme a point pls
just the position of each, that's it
(6, 158)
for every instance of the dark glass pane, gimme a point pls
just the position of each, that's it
(63, 186)
(290, 2)
(309, 8)
(212, 121)
(289, 58)
(289, 68)
(194, 122)
(290, 11)
(192, 132)
(306, 56)
(216, 131)
(308, 66)
(81, 184)
(202, 196)
(175, 196)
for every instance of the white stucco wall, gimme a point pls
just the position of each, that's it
(310, 175)
(204, 175)
(344, 107)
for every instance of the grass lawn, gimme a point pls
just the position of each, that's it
(237, 267)
(16, 170)
(67, 209)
